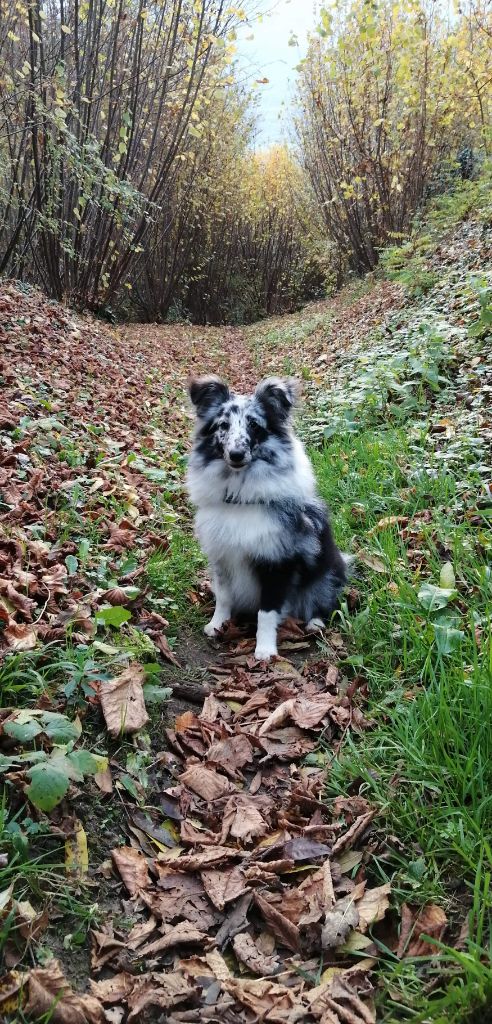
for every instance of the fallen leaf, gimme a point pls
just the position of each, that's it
(300, 849)
(267, 1000)
(162, 990)
(132, 868)
(354, 832)
(277, 717)
(285, 930)
(339, 921)
(386, 521)
(205, 858)
(20, 637)
(232, 753)
(182, 933)
(76, 852)
(104, 781)
(243, 818)
(113, 990)
(248, 953)
(371, 561)
(235, 922)
(122, 701)
(224, 885)
(373, 905)
(344, 999)
(429, 920)
(206, 783)
(50, 995)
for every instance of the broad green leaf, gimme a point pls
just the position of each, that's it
(86, 763)
(130, 786)
(72, 564)
(115, 616)
(447, 579)
(156, 694)
(23, 731)
(448, 639)
(49, 783)
(432, 598)
(59, 728)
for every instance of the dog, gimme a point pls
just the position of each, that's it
(259, 520)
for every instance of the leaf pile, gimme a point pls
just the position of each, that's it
(244, 878)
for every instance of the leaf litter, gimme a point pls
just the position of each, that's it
(245, 888)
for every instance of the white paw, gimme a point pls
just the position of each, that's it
(211, 628)
(265, 653)
(315, 626)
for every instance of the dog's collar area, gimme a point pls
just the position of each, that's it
(234, 499)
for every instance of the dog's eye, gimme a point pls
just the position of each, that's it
(223, 425)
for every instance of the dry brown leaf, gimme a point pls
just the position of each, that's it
(347, 839)
(182, 933)
(224, 885)
(344, 999)
(122, 701)
(104, 780)
(105, 947)
(20, 637)
(277, 717)
(243, 818)
(430, 920)
(113, 990)
(50, 994)
(248, 953)
(140, 932)
(264, 997)
(285, 930)
(371, 561)
(373, 905)
(185, 721)
(339, 921)
(308, 712)
(206, 783)
(204, 858)
(161, 990)
(132, 867)
(386, 521)
(212, 964)
(232, 753)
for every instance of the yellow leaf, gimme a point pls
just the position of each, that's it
(76, 852)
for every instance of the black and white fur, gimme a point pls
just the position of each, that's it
(259, 520)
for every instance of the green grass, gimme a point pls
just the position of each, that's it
(172, 576)
(427, 763)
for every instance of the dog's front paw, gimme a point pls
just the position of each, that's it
(265, 653)
(211, 629)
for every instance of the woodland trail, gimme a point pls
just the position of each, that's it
(191, 836)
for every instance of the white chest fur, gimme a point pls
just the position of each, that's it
(237, 532)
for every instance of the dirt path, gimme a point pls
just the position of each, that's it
(180, 351)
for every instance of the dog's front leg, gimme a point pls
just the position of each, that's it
(223, 604)
(274, 583)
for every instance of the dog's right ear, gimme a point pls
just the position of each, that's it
(208, 394)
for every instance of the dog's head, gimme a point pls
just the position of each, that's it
(240, 429)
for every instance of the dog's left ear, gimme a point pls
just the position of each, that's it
(278, 396)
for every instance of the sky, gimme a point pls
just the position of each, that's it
(268, 55)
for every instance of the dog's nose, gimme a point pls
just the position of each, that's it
(236, 456)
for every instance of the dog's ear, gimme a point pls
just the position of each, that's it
(278, 396)
(207, 394)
